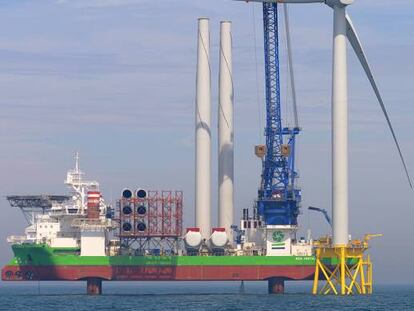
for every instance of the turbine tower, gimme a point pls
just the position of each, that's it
(339, 136)
(226, 130)
(203, 131)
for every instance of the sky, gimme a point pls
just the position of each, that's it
(115, 81)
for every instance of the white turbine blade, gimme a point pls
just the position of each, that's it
(357, 46)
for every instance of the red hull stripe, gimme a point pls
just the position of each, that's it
(156, 273)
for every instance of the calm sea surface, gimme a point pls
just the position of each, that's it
(192, 296)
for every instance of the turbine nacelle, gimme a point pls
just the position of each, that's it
(333, 3)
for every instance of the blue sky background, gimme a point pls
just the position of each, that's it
(115, 80)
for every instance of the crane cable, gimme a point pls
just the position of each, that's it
(259, 100)
(286, 110)
(290, 64)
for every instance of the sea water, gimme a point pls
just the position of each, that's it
(193, 296)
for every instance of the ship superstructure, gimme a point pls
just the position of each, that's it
(61, 221)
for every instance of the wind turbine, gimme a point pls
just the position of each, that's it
(342, 29)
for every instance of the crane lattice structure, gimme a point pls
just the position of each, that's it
(278, 197)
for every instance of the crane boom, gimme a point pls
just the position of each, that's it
(275, 169)
(278, 197)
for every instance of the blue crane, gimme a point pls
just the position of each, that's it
(278, 196)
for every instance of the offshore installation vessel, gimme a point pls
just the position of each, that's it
(78, 237)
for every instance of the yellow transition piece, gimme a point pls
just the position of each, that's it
(344, 270)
